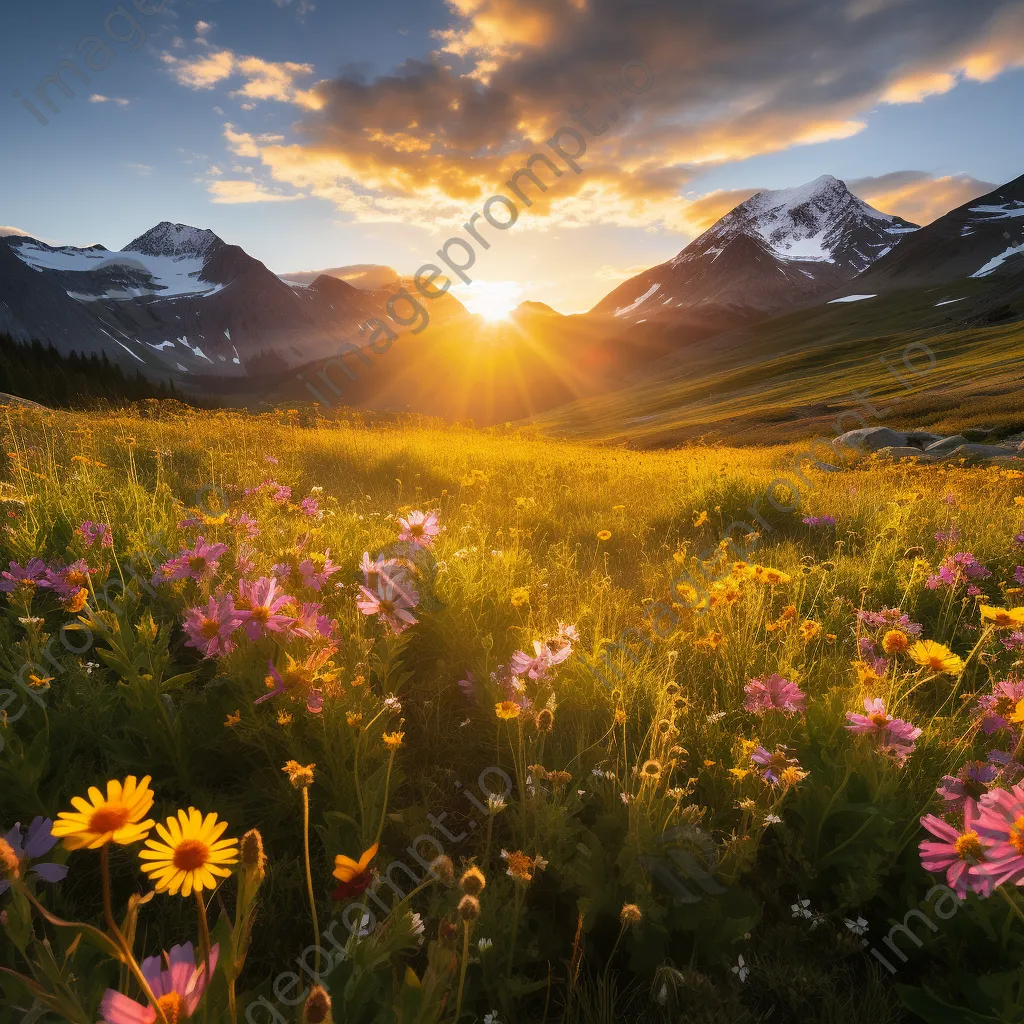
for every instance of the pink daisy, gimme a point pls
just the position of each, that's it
(544, 659)
(95, 533)
(999, 704)
(199, 563)
(391, 602)
(378, 568)
(774, 694)
(969, 784)
(1001, 824)
(419, 529)
(316, 576)
(178, 988)
(209, 629)
(260, 604)
(892, 735)
(961, 854)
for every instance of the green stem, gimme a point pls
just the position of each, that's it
(309, 878)
(462, 972)
(515, 929)
(387, 790)
(204, 945)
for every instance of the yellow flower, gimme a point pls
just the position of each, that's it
(630, 914)
(354, 718)
(192, 855)
(937, 657)
(299, 775)
(233, 719)
(1003, 618)
(866, 673)
(393, 740)
(604, 534)
(520, 866)
(739, 773)
(76, 602)
(895, 642)
(38, 682)
(1017, 716)
(701, 519)
(809, 630)
(620, 716)
(283, 718)
(115, 818)
(618, 508)
(519, 597)
(507, 710)
(354, 873)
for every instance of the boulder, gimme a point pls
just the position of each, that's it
(974, 453)
(873, 439)
(947, 444)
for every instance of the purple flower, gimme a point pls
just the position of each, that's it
(37, 841)
(209, 629)
(244, 523)
(950, 536)
(771, 766)
(970, 783)
(1018, 538)
(66, 582)
(890, 618)
(199, 563)
(419, 529)
(1013, 642)
(260, 604)
(392, 602)
(892, 735)
(997, 706)
(820, 520)
(774, 694)
(316, 571)
(468, 686)
(30, 575)
(1018, 574)
(957, 569)
(310, 506)
(96, 533)
(313, 624)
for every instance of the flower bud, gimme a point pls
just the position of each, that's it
(472, 881)
(469, 908)
(318, 1006)
(443, 869)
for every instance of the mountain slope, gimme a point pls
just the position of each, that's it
(773, 252)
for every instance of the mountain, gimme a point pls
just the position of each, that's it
(983, 239)
(180, 301)
(773, 252)
(366, 276)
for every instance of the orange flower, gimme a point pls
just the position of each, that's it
(507, 710)
(355, 876)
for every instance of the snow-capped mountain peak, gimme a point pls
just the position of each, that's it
(179, 241)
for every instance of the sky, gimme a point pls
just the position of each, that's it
(325, 133)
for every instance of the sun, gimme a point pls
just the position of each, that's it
(495, 301)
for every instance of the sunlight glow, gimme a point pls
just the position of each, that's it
(493, 300)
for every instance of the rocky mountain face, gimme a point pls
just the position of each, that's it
(773, 252)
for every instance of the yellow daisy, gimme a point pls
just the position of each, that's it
(937, 657)
(114, 818)
(192, 855)
(507, 710)
(604, 534)
(1003, 618)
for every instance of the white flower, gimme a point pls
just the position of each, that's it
(740, 970)
(581, 792)
(416, 926)
(540, 862)
(858, 927)
(484, 944)
(599, 772)
(772, 819)
(495, 803)
(624, 797)
(662, 996)
(393, 704)
(364, 927)
(491, 1018)
(716, 717)
(802, 909)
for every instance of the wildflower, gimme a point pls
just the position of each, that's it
(741, 970)
(468, 908)
(17, 849)
(483, 945)
(520, 866)
(892, 734)
(393, 740)
(802, 908)
(819, 520)
(771, 766)
(393, 705)
(937, 657)
(957, 569)
(244, 524)
(507, 710)
(772, 819)
(1000, 704)
(233, 718)
(29, 576)
(495, 804)
(604, 534)
(809, 630)
(541, 663)
(472, 881)
(114, 818)
(419, 529)
(354, 719)
(651, 770)
(254, 860)
(178, 988)
(316, 570)
(858, 926)
(190, 855)
(442, 868)
(95, 533)
(39, 682)
(318, 1003)
(545, 720)
(300, 776)
(1003, 618)
(259, 606)
(381, 568)
(391, 602)
(519, 597)
(895, 642)
(1001, 826)
(961, 854)
(630, 915)
(969, 784)
(310, 507)
(890, 618)
(354, 876)
(210, 629)
(620, 716)
(774, 694)
(198, 563)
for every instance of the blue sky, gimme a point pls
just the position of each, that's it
(152, 146)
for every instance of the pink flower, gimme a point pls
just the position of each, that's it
(391, 602)
(544, 659)
(244, 523)
(774, 694)
(961, 854)
(892, 735)
(96, 533)
(260, 604)
(316, 576)
(209, 629)
(68, 581)
(419, 529)
(31, 574)
(310, 506)
(199, 563)
(374, 569)
(999, 704)
(179, 987)
(969, 784)
(771, 766)
(312, 624)
(1001, 825)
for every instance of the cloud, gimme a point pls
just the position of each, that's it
(918, 196)
(100, 98)
(140, 168)
(703, 212)
(236, 191)
(428, 142)
(303, 8)
(7, 229)
(617, 275)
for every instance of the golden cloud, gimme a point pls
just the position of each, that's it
(233, 191)
(919, 197)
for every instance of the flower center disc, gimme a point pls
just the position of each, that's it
(190, 854)
(109, 818)
(171, 1006)
(969, 846)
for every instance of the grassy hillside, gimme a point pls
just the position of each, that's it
(640, 865)
(793, 375)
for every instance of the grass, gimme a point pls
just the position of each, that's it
(630, 797)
